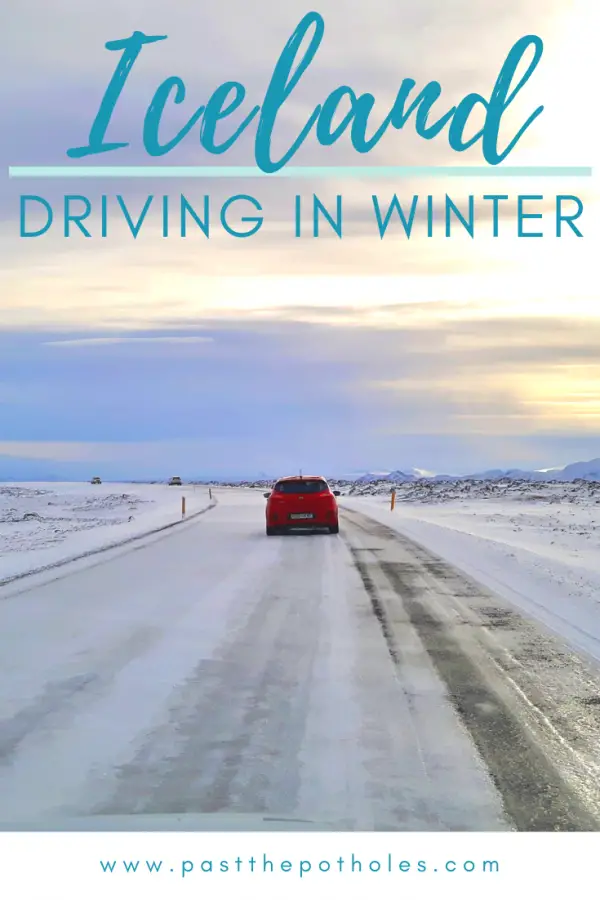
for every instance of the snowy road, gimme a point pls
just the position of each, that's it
(353, 680)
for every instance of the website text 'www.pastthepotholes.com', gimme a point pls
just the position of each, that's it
(352, 864)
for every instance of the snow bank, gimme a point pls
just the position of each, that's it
(540, 550)
(42, 525)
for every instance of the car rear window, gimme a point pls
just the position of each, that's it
(301, 487)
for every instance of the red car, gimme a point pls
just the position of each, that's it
(302, 501)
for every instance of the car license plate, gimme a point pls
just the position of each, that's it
(301, 516)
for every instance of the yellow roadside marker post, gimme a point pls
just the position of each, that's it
(393, 499)
(183, 507)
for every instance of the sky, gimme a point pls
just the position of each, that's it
(220, 357)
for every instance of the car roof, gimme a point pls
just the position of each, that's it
(302, 478)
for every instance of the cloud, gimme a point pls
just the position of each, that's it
(266, 390)
(103, 341)
(360, 352)
(461, 43)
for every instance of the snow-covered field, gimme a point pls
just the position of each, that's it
(43, 524)
(537, 545)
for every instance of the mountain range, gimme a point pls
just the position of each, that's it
(30, 470)
(586, 471)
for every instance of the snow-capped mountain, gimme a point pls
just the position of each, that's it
(587, 471)
(369, 477)
(396, 476)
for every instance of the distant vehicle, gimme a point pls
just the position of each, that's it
(175, 481)
(302, 502)
(96, 480)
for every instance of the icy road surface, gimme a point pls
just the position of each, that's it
(353, 680)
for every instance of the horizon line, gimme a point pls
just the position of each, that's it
(355, 172)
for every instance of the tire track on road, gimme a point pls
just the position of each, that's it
(235, 726)
(545, 767)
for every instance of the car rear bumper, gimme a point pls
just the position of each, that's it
(320, 521)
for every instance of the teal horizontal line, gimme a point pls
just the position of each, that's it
(75, 171)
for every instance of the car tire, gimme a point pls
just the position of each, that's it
(271, 531)
(334, 529)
